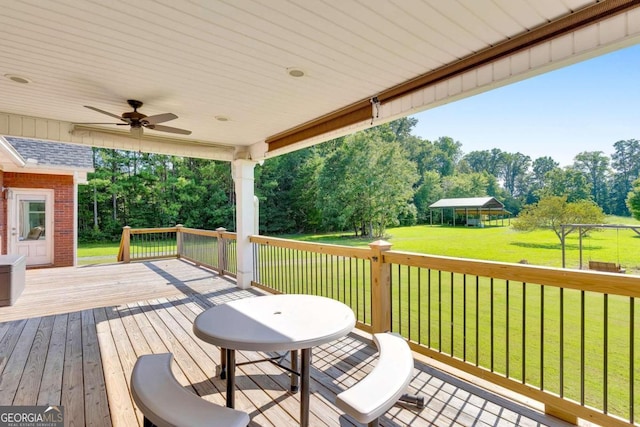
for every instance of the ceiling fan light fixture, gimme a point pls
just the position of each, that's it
(295, 72)
(17, 79)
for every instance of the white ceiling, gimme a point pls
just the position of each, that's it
(205, 58)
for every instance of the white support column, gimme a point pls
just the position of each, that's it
(245, 219)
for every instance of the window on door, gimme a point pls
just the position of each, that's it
(32, 220)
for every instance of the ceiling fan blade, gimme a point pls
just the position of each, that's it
(160, 118)
(96, 123)
(169, 129)
(104, 112)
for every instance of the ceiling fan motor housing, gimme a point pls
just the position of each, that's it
(133, 117)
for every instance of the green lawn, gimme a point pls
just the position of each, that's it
(541, 247)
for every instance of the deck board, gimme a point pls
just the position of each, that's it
(75, 334)
(50, 390)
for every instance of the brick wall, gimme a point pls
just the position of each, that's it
(62, 186)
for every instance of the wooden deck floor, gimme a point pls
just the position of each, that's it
(74, 335)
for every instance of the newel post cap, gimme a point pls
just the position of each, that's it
(381, 245)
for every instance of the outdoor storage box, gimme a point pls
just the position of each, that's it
(11, 278)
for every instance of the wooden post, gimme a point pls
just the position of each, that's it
(380, 288)
(179, 243)
(222, 251)
(561, 414)
(126, 237)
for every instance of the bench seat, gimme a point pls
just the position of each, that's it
(166, 403)
(371, 397)
(610, 267)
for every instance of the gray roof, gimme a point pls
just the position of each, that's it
(469, 202)
(53, 153)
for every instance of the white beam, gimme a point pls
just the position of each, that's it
(59, 131)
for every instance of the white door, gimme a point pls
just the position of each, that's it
(30, 215)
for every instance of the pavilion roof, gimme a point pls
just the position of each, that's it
(469, 202)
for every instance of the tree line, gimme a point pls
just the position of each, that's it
(362, 183)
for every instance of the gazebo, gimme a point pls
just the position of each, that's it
(477, 211)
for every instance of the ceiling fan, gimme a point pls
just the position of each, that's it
(138, 120)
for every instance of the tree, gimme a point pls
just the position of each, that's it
(567, 182)
(595, 166)
(633, 199)
(367, 183)
(515, 168)
(446, 155)
(429, 192)
(625, 162)
(554, 211)
(537, 179)
(490, 161)
(465, 185)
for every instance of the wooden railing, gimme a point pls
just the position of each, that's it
(566, 338)
(212, 249)
(287, 266)
(562, 337)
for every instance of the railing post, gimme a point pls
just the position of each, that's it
(126, 238)
(179, 239)
(222, 251)
(380, 288)
(561, 413)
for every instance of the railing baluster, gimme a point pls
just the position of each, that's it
(451, 318)
(542, 337)
(408, 300)
(344, 279)
(582, 360)
(464, 317)
(477, 343)
(439, 311)
(429, 307)
(561, 371)
(507, 341)
(419, 337)
(492, 326)
(399, 301)
(605, 358)
(632, 360)
(524, 331)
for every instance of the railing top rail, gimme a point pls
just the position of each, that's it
(346, 251)
(198, 232)
(608, 283)
(152, 230)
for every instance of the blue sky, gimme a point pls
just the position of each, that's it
(584, 107)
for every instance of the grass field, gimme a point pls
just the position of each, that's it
(541, 247)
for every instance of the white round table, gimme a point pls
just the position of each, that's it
(275, 323)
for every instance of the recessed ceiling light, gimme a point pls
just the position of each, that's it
(222, 118)
(17, 79)
(295, 72)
